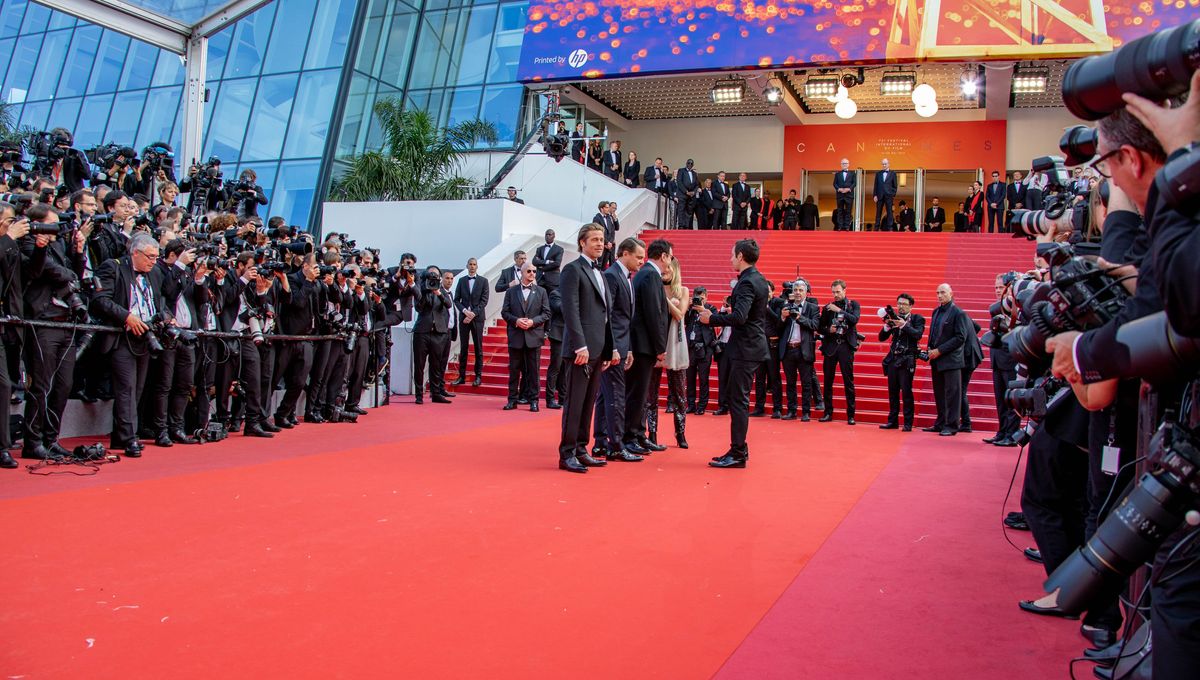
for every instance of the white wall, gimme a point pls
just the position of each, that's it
(737, 144)
(1033, 133)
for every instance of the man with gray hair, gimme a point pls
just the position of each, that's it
(947, 342)
(526, 313)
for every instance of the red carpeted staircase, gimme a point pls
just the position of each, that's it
(876, 268)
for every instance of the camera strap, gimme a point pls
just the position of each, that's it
(1110, 461)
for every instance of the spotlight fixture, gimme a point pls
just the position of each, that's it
(969, 81)
(728, 91)
(1030, 80)
(773, 95)
(897, 83)
(849, 80)
(821, 87)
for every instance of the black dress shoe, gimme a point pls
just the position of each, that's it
(1107, 656)
(850, 421)
(757, 414)
(439, 399)
(461, 381)
(728, 461)
(947, 432)
(268, 426)
(819, 406)
(314, 418)
(571, 465)
(965, 429)
(932, 428)
(448, 395)
(164, 440)
(533, 407)
(356, 409)
(234, 426)
(181, 437)
(476, 382)
(889, 426)
(586, 459)
(907, 428)
(292, 420)
(522, 401)
(637, 449)
(1018, 522)
(283, 423)
(133, 452)
(57, 449)
(994, 438)
(691, 410)
(553, 405)
(789, 416)
(805, 418)
(721, 412)
(1099, 637)
(1034, 555)
(623, 456)
(826, 418)
(598, 451)
(6, 460)
(699, 412)
(35, 453)
(256, 430)
(1031, 606)
(777, 415)
(649, 445)
(1004, 443)
(419, 399)
(510, 406)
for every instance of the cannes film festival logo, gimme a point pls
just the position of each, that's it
(578, 58)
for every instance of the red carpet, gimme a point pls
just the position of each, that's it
(373, 551)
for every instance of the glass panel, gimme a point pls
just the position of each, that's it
(465, 105)
(60, 20)
(93, 117)
(6, 48)
(50, 64)
(139, 66)
(126, 113)
(250, 38)
(162, 108)
(11, 16)
(20, 69)
(374, 129)
(293, 194)
(169, 70)
(208, 106)
(502, 108)
(110, 59)
(36, 17)
(398, 48)
(331, 32)
(80, 57)
(362, 90)
(314, 108)
(269, 119)
(218, 49)
(431, 52)
(294, 20)
(470, 60)
(368, 45)
(34, 115)
(506, 49)
(229, 120)
(64, 113)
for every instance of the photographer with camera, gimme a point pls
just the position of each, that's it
(367, 311)
(245, 316)
(129, 293)
(904, 329)
(298, 317)
(13, 175)
(798, 346)
(245, 195)
(270, 292)
(431, 335)
(56, 160)
(702, 345)
(839, 341)
(118, 169)
(12, 230)
(204, 187)
(1004, 367)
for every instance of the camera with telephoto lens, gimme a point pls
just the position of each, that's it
(350, 333)
(10, 152)
(208, 175)
(271, 267)
(215, 431)
(1079, 296)
(72, 301)
(48, 149)
(431, 280)
(258, 320)
(59, 228)
(326, 270)
(1000, 325)
(170, 334)
(1059, 208)
(887, 313)
(159, 156)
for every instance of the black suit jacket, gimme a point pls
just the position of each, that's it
(747, 317)
(554, 330)
(688, 179)
(741, 193)
(609, 224)
(110, 298)
(850, 314)
(907, 219)
(721, 190)
(947, 334)
(612, 158)
(845, 179)
(1016, 194)
(632, 173)
(655, 179)
(11, 287)
(507, 276)
(935, 219)
(46, 275)
(808, 320)
(548, 267)
(996, 193)
(475, 300)
(621, 314)
(179, 283)
(702, 339)
(885, 188)
(431, 311)
(972, 349)
(300, 312)
(808, 216)
(648, 330)
(905, 342)
(585, 304)
(536, 309)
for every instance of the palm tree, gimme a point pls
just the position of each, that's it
(418, 161)
(8, 123)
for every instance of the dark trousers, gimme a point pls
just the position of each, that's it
(523, 373)
(555, 378)
(637, 391)
(1054, 497)
(718, 218)
(722, 380)
(609, 426)
(767, 378)
(6, 385)
(314, 397)
(335, 376)
(795, 367)
(704, 217)
(739, 217)
(582, 384)
(356, 368)
(684, 213)
(250, 378)
(209, 352)
(995, 220)
(947, 394)
(884, 207)
(175, 373)
(964, 413)
(295, 363)
(130, 364)
(741, 375)
(50, 363)
(900, 383)
(427, 347)
(698, 375)
(839, 355)
(844, 217)
(470, 333)
(1009, 420)
(266, 360)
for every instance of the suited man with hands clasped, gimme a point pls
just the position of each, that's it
(548, 261)
(471, 297)
(946, 359)
(935, 216)
(844, 184)
(884, 195)
(526, 312)
(996, 194)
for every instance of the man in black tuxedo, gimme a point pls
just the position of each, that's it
(511, 276)
(884, 195)
(431, 336)
(298, 317)
(605, 218)
(588, 338)
(721, 211)
(756, 208)
(906, 218)
(839, 342)
(512, 196)
(741, 202)
(172, 374)
(471, 297)
(1016, 199)
(707, 205)
(548, 261)
(689, 183)
(526, 312)
(904, 329)
(702, 345)
(12, 303)
(612, 161)
(746, 347)
(844, 183)
(610, 404)
(655, 177)
(128, 292)
(935, 216)
(555, 378)
(767, 211)
(798, 348)
(648, 340)
(946, 342)
(995, 194)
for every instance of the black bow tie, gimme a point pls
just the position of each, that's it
(527, 287)
(596, 265)
(470, 278)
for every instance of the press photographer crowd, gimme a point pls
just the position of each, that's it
(188, 319)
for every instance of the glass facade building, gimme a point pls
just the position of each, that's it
(290, 87)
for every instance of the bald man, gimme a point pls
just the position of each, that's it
(947, 342)
(526, 312)
(844, 183)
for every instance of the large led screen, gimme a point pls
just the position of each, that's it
(572, 39)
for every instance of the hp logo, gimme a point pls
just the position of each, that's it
(578, 58)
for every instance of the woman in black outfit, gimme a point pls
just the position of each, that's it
(633, 170)
(595, 156)
(960, 220)
(975, 208)
(808, 214)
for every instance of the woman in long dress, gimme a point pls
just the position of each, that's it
(675, 362)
